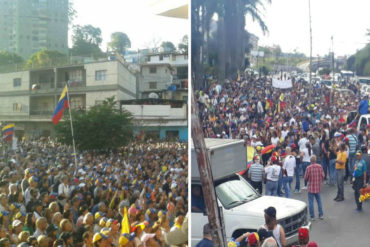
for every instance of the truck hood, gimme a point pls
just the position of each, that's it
(284, 207)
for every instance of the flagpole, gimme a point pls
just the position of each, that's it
(70, 119)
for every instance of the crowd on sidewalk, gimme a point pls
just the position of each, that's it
(135, 196)
(299, 132)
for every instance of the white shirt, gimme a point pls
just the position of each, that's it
(284, 133)
(302, 143)
(273, 172)
(64, 189)
(289, 165)
(275, 140)
(306, 156)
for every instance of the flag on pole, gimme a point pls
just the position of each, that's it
(8, 131)
(281, 98)
(59, 109)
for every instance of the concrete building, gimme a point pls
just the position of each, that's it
(164, 71)
(27, 26)
(158, 118)
(28, 98)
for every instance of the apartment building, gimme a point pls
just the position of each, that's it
(158, 118)
(28, 98)
(165, 74)
(27, 26)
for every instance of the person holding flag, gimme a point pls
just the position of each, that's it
(8, 132)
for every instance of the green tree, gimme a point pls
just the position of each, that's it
(183, 46)
(9, 58)
(86, 41)
(228, 55)
(168, 46)
(119, 42)
(44, 58)
(102, 127)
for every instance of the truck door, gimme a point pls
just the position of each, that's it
(198, 216)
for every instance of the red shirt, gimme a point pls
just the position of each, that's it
(314, 175)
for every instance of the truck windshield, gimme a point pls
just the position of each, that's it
(235, 192)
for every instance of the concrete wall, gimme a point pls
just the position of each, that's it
(92, 97)
(6, 105)
(111, 73)
(126, 79)
(163, 78)
(159, 111)
(6, 81)
(182, 130)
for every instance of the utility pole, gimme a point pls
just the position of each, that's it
(309, 13)
(205, 172)
(332, 53)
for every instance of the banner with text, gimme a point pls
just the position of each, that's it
(282, 84)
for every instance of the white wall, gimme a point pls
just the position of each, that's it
(111, 74)
(91, 97)
(159, 111)
(126, 79)
(6, 105)
(6, 81)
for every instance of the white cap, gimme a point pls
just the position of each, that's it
(16, 223)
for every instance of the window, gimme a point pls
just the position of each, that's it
(153, 85)
(100, 75)
(172, 134)
(17, 107)
(17, 82)
(160, 57)
(75, 75)
(153, 70)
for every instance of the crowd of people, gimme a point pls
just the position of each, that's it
(271, 234)
(303, 131)
(135, 196)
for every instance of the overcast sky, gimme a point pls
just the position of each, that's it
(288, 22)
(136, 18)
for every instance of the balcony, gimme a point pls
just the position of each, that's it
(72, 84)
(40, 112)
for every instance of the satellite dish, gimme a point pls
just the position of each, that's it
(153, 96)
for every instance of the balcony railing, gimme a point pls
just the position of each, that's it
(41, 113)
(42, 85)
(72, 84)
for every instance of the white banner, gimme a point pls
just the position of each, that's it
(281, 84)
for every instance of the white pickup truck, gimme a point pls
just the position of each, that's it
(242, 206)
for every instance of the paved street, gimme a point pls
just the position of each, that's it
(342, 225)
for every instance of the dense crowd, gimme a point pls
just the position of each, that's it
(135, 196)
(304, 131)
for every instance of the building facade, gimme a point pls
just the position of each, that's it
(159, 118)
(28, 98)
(165, 74)
(27, 26)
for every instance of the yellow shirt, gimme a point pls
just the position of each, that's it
(341, 156)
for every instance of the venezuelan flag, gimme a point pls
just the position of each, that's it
(8, 129)
(59, 109)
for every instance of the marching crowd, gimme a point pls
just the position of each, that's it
(302, 131)
(135, 196)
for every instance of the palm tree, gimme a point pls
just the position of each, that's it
(231, 36)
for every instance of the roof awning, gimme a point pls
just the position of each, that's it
(171, 8)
